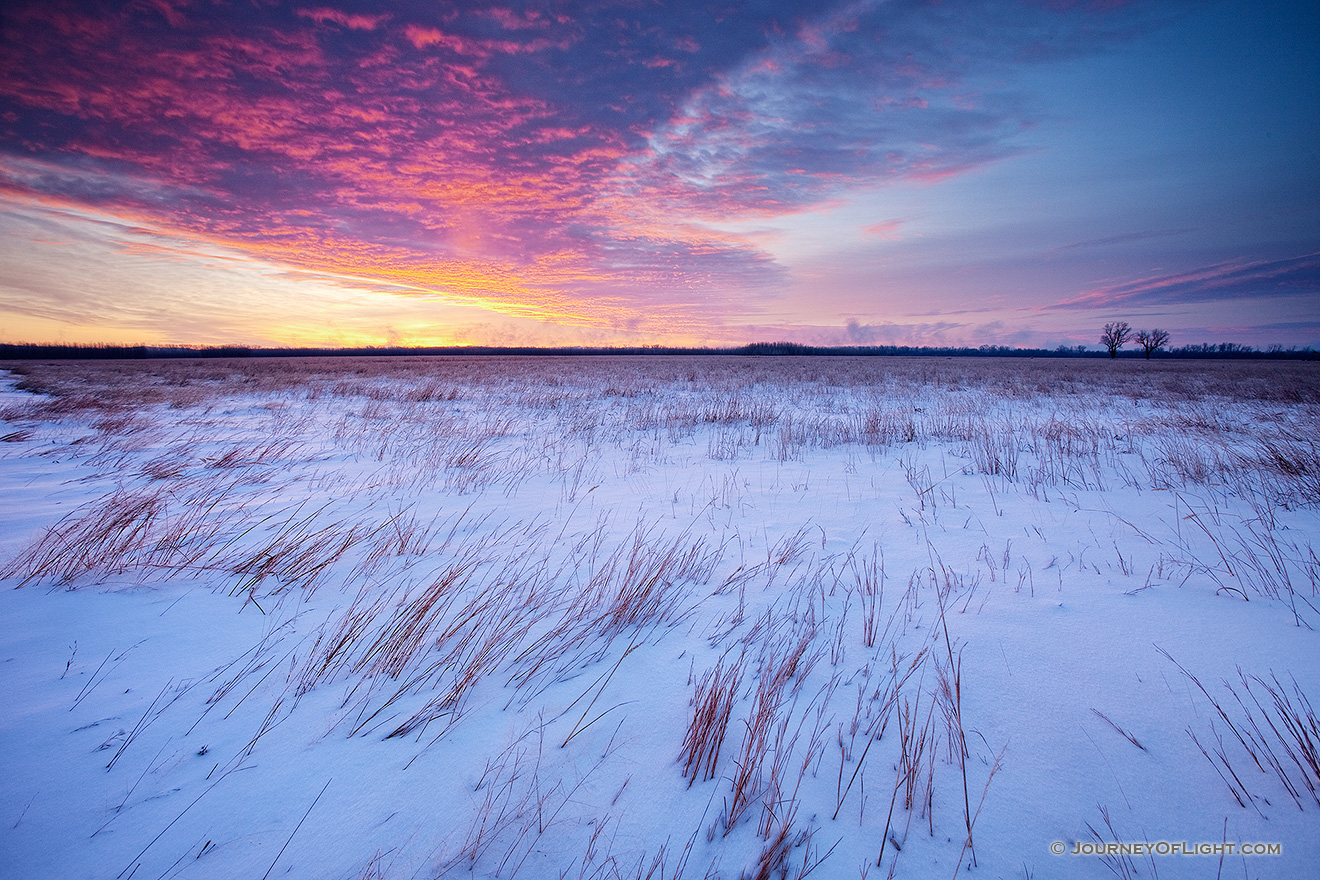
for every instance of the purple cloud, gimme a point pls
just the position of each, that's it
(561, 160)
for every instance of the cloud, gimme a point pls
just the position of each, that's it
(354, 21)
(893, 333)
(885, 229)
(1125, 238)
(1307, 326)
(568, 165)
(1239, 279)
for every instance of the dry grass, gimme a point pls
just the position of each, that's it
(712, 705)
(393, 491)
(105, 537)
(1276, 729)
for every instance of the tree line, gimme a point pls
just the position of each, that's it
(1155, 341)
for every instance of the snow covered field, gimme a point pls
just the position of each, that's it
(658, 618)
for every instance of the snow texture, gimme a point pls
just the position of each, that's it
(658, 617)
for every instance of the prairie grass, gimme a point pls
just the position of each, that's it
(635, 553)
(711, 707)
(104, 537)
(1276, 729)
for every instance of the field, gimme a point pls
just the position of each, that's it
(659, 617)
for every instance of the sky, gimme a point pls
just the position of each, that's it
(912, 172)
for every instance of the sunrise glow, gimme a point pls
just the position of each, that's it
(866, 172)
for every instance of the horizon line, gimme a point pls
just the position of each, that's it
(74, 351)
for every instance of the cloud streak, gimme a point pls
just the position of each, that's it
(1295, 276)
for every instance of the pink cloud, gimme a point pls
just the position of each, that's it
(885, 229)
(353, 21)
(531, 19)
(461, 153)
(422, 37)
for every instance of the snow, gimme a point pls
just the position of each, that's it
(449, 617)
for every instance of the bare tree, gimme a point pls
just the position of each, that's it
(1116, 333)
(1152, 340)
